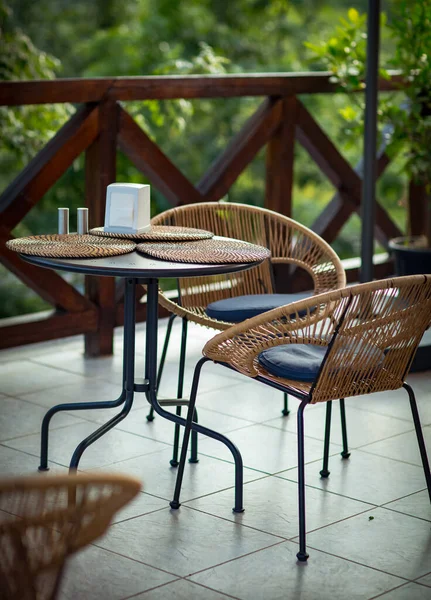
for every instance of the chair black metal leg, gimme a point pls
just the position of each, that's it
(324, 472)
(150, 416)
(285, 410)
(302, 555)
(420, 437)
(194, 443)
(175, 503)
(345, 453)
(174, 460)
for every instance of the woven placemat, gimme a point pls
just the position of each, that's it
(159, 233)
(214, 251)
(70, 246)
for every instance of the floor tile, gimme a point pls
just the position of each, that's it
(229, 555)
(86, 390)
(393, 542)
(23, 376)
(109, 368)
(365, 477)
(206, 477)
(266, 449)
(271, 505)
(212, 378)
(425, 580)
(19, 418)
(14, 463)
(410, 591)
(163, 430)
(416, 505)
(396, 402)
(273, 574)
(114, 446)
(181, 590)
(178, 540)
(362, 427)
(247, 400)
(32, 350)
(141, 505)
(95, 573)
(402, 447)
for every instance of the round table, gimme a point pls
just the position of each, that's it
(134, 268)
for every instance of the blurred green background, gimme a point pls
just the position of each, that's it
(88, 38)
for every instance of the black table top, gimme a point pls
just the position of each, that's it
(135, 265)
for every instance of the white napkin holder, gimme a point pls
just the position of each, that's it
(127, 208)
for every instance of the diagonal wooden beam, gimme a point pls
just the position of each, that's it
(242, 149)
(48, 166)
(155, 165)
(46, 283)
(342, 176)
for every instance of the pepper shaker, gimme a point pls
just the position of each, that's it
(63, 221)
(82, 221)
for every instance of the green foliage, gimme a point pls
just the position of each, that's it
(161, 37)
(404, 116)
(411, 27)
(25, 129)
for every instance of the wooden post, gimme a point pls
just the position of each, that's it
(100, 171)
(279, 161)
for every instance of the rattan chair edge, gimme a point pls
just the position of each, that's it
(316, 308)
(201, 317)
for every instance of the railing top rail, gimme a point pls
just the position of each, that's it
(14, 93)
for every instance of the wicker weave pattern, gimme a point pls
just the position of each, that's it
(158, 233)
(390, 315)
(47, 519)
(70, 246)
(287, 240)
(214, 251)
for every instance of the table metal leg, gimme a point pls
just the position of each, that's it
(128, 373)
(151, 376)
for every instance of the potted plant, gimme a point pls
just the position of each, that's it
(404, 115)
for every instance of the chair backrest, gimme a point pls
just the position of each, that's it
(378, 327)
(45, 519)
(288, 241)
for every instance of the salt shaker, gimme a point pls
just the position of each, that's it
(63, 220)
(82, 221)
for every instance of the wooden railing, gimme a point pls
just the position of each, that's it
(101, 125)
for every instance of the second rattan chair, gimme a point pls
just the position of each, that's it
(350, 342)
(219, 301)
(44, 519)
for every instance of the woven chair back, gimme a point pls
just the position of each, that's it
(45, 519)
(378, 327)
(288, 241)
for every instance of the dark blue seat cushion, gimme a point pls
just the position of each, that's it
(235, 310)
(301, 362)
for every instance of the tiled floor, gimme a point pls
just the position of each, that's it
(369, 524)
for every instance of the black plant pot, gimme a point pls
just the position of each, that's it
(412, 258)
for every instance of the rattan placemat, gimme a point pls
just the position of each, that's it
(159, 233)
(70, 246)
(214, 251)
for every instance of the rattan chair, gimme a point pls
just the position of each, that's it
(44, 519)
(350, 342)
(219, 301)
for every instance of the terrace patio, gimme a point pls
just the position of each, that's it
(368, 523)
